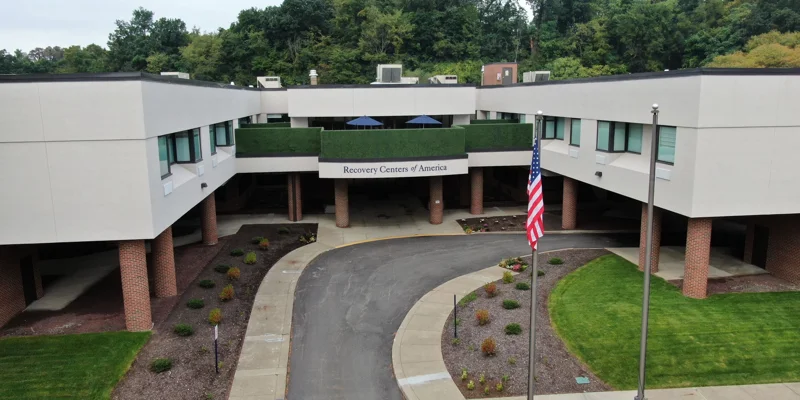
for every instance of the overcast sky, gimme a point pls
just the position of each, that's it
(27, 24)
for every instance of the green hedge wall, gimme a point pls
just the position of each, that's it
(493, 121)
(392, 143)
(269, 125)
(499, 137)
(255, 142)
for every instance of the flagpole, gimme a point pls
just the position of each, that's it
(648, 253)
(534, 266)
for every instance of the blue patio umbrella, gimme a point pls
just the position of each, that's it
(364, 121)
(423, 120)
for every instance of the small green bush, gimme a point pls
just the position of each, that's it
(555, 261)
(523, 286)
(222, 268)
(237, 252)
(206, 284)
(250, 258)
(539, 272)
(256, 239)
(195, 304)
(510, 304)
(512, 360)
(160, 365)
(471, 385)
(513, 329)
(283, 230)
(508, 277)
(183, 330)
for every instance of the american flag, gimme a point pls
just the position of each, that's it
(535, 224)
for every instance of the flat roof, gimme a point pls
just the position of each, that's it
(115, 77)
(384, 86)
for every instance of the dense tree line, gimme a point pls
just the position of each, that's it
(345, 39)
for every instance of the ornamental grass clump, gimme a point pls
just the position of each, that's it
(227, 293)
(263, 244)
(490, 289)
(489, 346)
(215, 316)
(482, 316)
(250, 258)
(234, 273)
(508, 277)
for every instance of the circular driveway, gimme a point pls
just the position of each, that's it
(350, 302)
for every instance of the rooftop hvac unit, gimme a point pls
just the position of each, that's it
(269, 82)
(443, 79)
(181, 75)
(389, 73)
(535, 76)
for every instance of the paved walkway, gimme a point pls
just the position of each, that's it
(422, 374)
(672, 260)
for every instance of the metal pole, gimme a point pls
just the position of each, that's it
(534, 266)
(455, 318)
(647, 254)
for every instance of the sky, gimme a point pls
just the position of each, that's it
(27, 24)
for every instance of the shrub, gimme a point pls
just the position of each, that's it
(512, 360)
(482, 379)
(482, 316)
(263, 244)
(486, 390)
(307, 237)
(160, 365)
(508, 277)
(456, 341)
(523, 286)
(256, 239)
(206, 284)
(513, 329)
(488, 346)
(195, 304)
(514, 263)
(510, 304)
(222, 268)
(471, 385)
(468, 299)
(250, 258)
(539, 272)
(183, 330)
(499, 386)
(283, 230)
(505, 378)
(464, 374)
(234, 273)
(215, 316)
(226, 293)
(237, 252)
(491, 289)
(555, 261)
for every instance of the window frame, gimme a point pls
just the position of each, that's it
(628, 136)
(545, 119)
(229, 136)
(212, 139)
(192, 159)
(611, 133)
(572, 130)
(167, 140)
(657, 138)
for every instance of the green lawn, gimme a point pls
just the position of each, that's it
(84, 366)
(723, 340)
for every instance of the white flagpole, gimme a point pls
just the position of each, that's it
(534, 266)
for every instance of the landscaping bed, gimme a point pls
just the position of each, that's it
(192, 374)
(745, 284)
(556, 368)
(552, 222)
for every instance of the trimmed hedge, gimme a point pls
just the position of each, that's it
(498, 137)
(493, 121)
(392, 143)
(268, 125)
(255, 142)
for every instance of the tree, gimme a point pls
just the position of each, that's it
(134, 41)
(92, 59)
(770, 50)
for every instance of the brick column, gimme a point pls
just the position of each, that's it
(208, 220)
(12, 298)
(164, 264)
(295, 198)
(436, 202)
(342, 205)
(135, 289)
(569, 208)
(654, 255)
(749, 238)
(698, 253)
(476, 185)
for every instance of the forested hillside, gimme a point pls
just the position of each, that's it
(345, 39)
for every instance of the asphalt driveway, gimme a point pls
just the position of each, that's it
(350, 302)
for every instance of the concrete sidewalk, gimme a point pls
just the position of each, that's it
(773, 391)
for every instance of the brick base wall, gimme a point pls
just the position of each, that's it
(654, 256)
(569, 208)
(436, 202)
(342, 203)
(749, 238)
(135, 289)
(783, 250)
(208, 220)
(164, 265)
(698, 253)
(12, 298)
(476, 191)
(295, 197)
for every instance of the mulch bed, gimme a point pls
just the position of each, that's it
(556, 368)
(100, 308)
(746, 284)
(192, 375)
(552, 222)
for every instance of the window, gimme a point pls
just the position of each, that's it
(575, 132)
(666, 144)
(553, 128)
(244, 121)
(163, 156)
(560, 128)
(187, 146)
(212, 139)
(223, 132)
(619, 137)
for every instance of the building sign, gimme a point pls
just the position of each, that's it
(392, 169)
